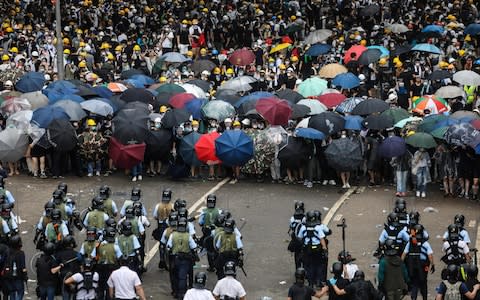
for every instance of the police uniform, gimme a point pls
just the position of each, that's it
(55, 232)
(130, 246)
(169, 259)
(463, 235)
(137, 227)
(208, 216)
(8, 196)
(128, 203)
(397, 233)
(96, 218)
(229, 247)
(87, 247)
(106, 254)
(456, 252)
(417, 261)
(110, 207)
(313, 252)
(180, 244)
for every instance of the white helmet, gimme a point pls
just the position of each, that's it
(361, 77)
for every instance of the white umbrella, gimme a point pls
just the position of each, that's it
(240, 84)
(449, 91)
(467, 77)
(174, 57)
(398, 28)
(36, 99)
(20, 120)
(318, 36)
(303, 123)
(193, 89)
(13, 144)
(316, 107)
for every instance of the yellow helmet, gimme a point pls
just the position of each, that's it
(9, 29)
(411, 132)
(195, 123)
(162, 79)
(363, 42)
(341, 39)
(5, 57)
(236, 123)
(66, 51)
(163, 108)
(119, 48)
(382, 61)
(293, 18)
(294, 58)
(203, 51)
(184, 22)
(468, 38)
(81, 44)
(461, 52)
(107, 46)
(396, 59)
(230, 71)
(79, 31)
(14, 50)
(443, 64)
(282, 67)
(137, 48)
(205, 10)
(271, 59)
(189, 53)
(216, 71)
(398, 64)
(110, 56)
(66, 41)
(91, 122)
(82, 64)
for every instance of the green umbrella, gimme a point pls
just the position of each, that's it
(396, 113)
(403, 122)
(170, 88)
(439, 133)
(430, 123)
(159, 66)
(421, 140)
(218, 110)
(312, 86)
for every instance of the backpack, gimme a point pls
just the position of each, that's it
(453, 291)
(8, 268)
(87, 281)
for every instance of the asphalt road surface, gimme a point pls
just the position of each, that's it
(262, 210)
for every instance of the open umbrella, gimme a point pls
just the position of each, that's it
(402, 123)
(170, 88)
(116, 87)
(20, 120)
(467, 77)
(392, 146)
(194, 107)
(137, 94)
(295, 153)
(316, 107)
(312, 86)
(72, 108)
(384, 52)
(218, 110)
(435, 106)
(234, 148)
(433, 28)
(397, 28)
(275, 111)
(318, 36)
(289, 95)
(331, 99)
(327, 122)
(370, 106)
(280, 47)
(30, 82)
(440, 75)
(464, 114)
(201, 65)
(61, 135)
(187, 149)
(43, 116)
(353, 122)
(159, 144)
(299, 111)
(370, 10)
(174, 57)
(421, 140)
(205, 147)
(131, 126)
(36, 99)
(429, 48)
(309, 133)
(318, 49)
(357, 49)
(126, 156)
(472, 29)
(332, 70)
(179, 100)
(255, 96)
(369, 56)
(13, 105)
(346, 81)
(97, 107)
(103, 91)
(239, 84)
(175, 117)
(401, 50)
(378, 122)
(348, 104)
(129, 73)
(344, 154)
(449, 91)
(204, 85)
(461, 134)
(13, 144)
(396, 114)
(242, 57)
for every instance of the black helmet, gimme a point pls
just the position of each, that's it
(126, 227)
(97, 203)
(69, 242)
(299, 214)
(299, 205)
(471, 270)
(337, 268)
(110, 234)
(179, 203)
(3, 198)
(200, 280)
(6, 210)
(63, 187)
(124, 260)
(167, 195)
(359, 275)
(227, 214)
(182, 225)
(400, 205)
(104, 192)
(56, 215)
(183, 213)
(391, 247)
(220, 220)
(229, 268)
(311, 218)
(129, 212)
(452, 273)
(2, 182)
(88, 263)
(392, 219)
(300, 275)
(111, 223)
(136, 194)
(173, 218)
(459, 220)
(211, 201)
(49, 248)
(345, 257)
(318, 216)
(453, 232)
(49, 206)
(414, 217)
(138, 208)
(418, 228)
(15, 242)
(91, 233)
(229, 226)
(58, 196)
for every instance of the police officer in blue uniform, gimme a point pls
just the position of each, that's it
(296, 222)
(459, 220)
(393, 230)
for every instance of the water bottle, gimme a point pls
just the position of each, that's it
(14, 269)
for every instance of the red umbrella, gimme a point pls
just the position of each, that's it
(179, 100)
(126, 156)
(275, 111)
(242, 57)
(357, 49)
(287, 39)
(205, 147)
(331, 99)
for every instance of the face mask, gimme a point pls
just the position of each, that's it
(260, 126)
(94, 128)
(195, 129)
(227, 127)
(158, 125)
(188, 129)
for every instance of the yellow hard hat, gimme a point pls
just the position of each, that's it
(66, 41)
(82, 64)
(468, 38)
(163, 108)
(341, 39)
(271, 59)
(14, 50)
(203, 51)
(91, 122)
(118, 48)
(110, 56)
(5, 25)
(5, 57)
(294, 58)
(414, 98)
(282, 67)
(461, 52)
(205, 10)
(81, 44)
(162, 79)
(9, 29)
(411, 132)
(107, 46)
(195, 123)
(451, 17)
(189, 53)
(363, 42)
(137, 48)
(184, 22)
(443, 64)
(382, 61)
(216, 71)
(236, 123)
(230, 71)
(79, 31)
(398, 64)
(293, 18)
(396, 59)
(66, 51)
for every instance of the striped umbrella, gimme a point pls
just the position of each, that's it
(435, 106)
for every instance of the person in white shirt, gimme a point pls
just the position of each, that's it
(229, 286)
(86, 282)
(199, 292)
(125, 283)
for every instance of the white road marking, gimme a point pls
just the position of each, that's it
(20, 220)
(472, 223)
(337, 205)
(337, 218)
(151, 253)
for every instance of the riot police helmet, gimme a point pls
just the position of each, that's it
(211, 201)
(392, 219)
(49, 206)
(200, 280)
(299, 205)
(166, 195)
(110, 234)
(69, 242)
(459, 220)
(182, 225)
(88, 263)
(138, 209)
(311, 218)
(129, 212)
(16, 242)
(104, 192)
(57, 196)
(111, 223)
(56, 215)
(359, 275)
(220, 220)
(400, 205)
(126, 227)
(49, 248)
(179, 203)
(230, 269)
(229, 226)
(391, 247)
(136, 194)
(91, 233)
(97, 203)
(453, 232)
(173, 219)
(63, 187)
(345, 257)
(414, 217)
(451, 273)
(183, 213)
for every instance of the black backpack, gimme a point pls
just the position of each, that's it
(87, 281)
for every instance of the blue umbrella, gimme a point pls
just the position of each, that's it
(62, 85)
(194, 107)
(187, 149)
(30, 82)
(392, 146)
(234, 148)
(472, 29)
(135, 83)
(43, 116)
(108, 101)
(309, 133)
(73, 97)
(382, 49)
(103, 91)
(424, 47)
(433, 28)
(353, 122)
(144, 79)
(318, 49)
(346, 80)
(252, 97)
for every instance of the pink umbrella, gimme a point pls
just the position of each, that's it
(275, 111)
(179, 100)
(357, 49)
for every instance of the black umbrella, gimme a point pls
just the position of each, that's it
(137, 94)
(246, 107)
(344, 154)
(204, 85)
(294, 153)
(370, 10)
(175, 117)
(61, 135)
(299, 111)
(117, 102)
(401, 50)
(378, 122)
(440, 75)
(289, 95)
(129, 73)
(232, 99)
(131, 126)
(163, 99)
(86, 91)
(327, 122)
(369, 56)
(370, 106)
(202, 65)
(140, 106)
(159, 144)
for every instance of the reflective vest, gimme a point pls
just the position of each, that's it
(108, 208)
(470, 91)
(163, 211)
(180, 242)
(106, 254)
(211, 215)
(63, 210)
(135, 229)
(228, 242)
(96, 218)
(53, 232)
(126, 244)
(88, 247)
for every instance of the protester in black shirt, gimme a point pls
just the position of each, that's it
(298, 291)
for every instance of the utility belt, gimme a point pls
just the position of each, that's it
(183, 255)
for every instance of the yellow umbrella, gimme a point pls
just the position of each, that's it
(332, 70)
(280, 47)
